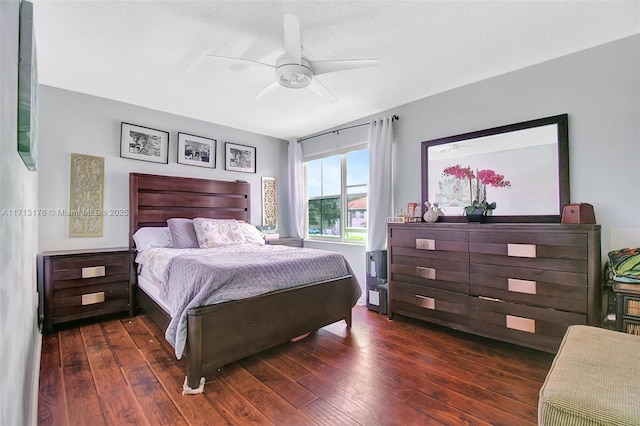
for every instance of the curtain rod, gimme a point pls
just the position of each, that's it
(336, 131)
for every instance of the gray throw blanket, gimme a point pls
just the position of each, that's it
(232, 273)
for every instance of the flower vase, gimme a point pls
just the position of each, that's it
(430, 214)
(477, 215)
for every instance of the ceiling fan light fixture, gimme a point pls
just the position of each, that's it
(292, 75)
(295, 80)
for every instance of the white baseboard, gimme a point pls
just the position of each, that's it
(32, 415)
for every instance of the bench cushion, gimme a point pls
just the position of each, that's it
(594, 380)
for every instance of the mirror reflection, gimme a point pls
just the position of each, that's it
(522, 168)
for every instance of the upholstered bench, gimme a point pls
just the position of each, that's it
(594, 380)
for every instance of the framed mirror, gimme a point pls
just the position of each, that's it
(526, 165)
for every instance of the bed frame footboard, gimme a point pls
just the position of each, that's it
(226, 332)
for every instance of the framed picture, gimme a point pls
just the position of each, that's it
(143, 143)
(27, 89)
(240, 158)
(196, 151)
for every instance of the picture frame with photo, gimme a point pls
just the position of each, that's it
(196, 150)
(144, 143)
(239, 158)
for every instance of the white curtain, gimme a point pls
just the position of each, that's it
(296, 190)
(380, 185)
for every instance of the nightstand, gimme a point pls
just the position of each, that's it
(83, 284)
(292, 242)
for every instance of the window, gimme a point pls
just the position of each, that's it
(337, 196)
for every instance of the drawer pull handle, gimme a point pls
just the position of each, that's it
(521, 324)
(425, 244)
(429, 273)
(425, 302)
(93, 271)
(91, 298)
(521, 286)
(521, 250)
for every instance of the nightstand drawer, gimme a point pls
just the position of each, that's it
(89, 301)
(291, 242)
(89, 267)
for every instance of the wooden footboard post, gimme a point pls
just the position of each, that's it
(194, 351)
(351, 297)
(348, 319)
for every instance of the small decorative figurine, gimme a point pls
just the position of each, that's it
(430, 215)
(438, 210)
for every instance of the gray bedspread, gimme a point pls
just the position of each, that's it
(215, 276)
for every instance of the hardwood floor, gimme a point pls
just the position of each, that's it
(400, 372)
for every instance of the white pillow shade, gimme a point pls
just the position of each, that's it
(217, 232)
(149, 237)
(251, 233)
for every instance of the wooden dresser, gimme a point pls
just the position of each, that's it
(84, 284)
(520, 283)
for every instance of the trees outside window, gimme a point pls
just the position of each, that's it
(337, 196)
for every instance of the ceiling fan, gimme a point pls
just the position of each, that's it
(293, 70)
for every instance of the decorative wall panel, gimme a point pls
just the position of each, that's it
(86, 196)
(269, 202)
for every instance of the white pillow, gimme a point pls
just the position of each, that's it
(251, 233)
(152, 237)
(217, 232)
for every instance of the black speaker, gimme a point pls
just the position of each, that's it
(377, 264)
(377, 281)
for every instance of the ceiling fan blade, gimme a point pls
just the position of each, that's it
(319, 89)
(267, 90)
(323, 67)
(242, 61)
(292, 46)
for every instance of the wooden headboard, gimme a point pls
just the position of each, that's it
(153, 199)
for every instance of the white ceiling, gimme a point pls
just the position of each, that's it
(146, 52)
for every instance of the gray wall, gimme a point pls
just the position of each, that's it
(600, 90)
(19, 337)
(72, 122)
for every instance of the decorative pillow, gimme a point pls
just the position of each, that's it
(182, 233)
(152, 237)
(251, 233)
(217, 232)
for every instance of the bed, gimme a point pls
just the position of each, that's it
(220, 333)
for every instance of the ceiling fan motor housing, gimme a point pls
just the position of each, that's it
(292, 75)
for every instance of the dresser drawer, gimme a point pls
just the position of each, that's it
(560, 290)
(429, 303)
(429, 239)
(536, 327)
(451, 274)
(550, 251)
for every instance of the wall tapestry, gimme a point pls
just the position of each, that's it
(86, 196)
(269, 202)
